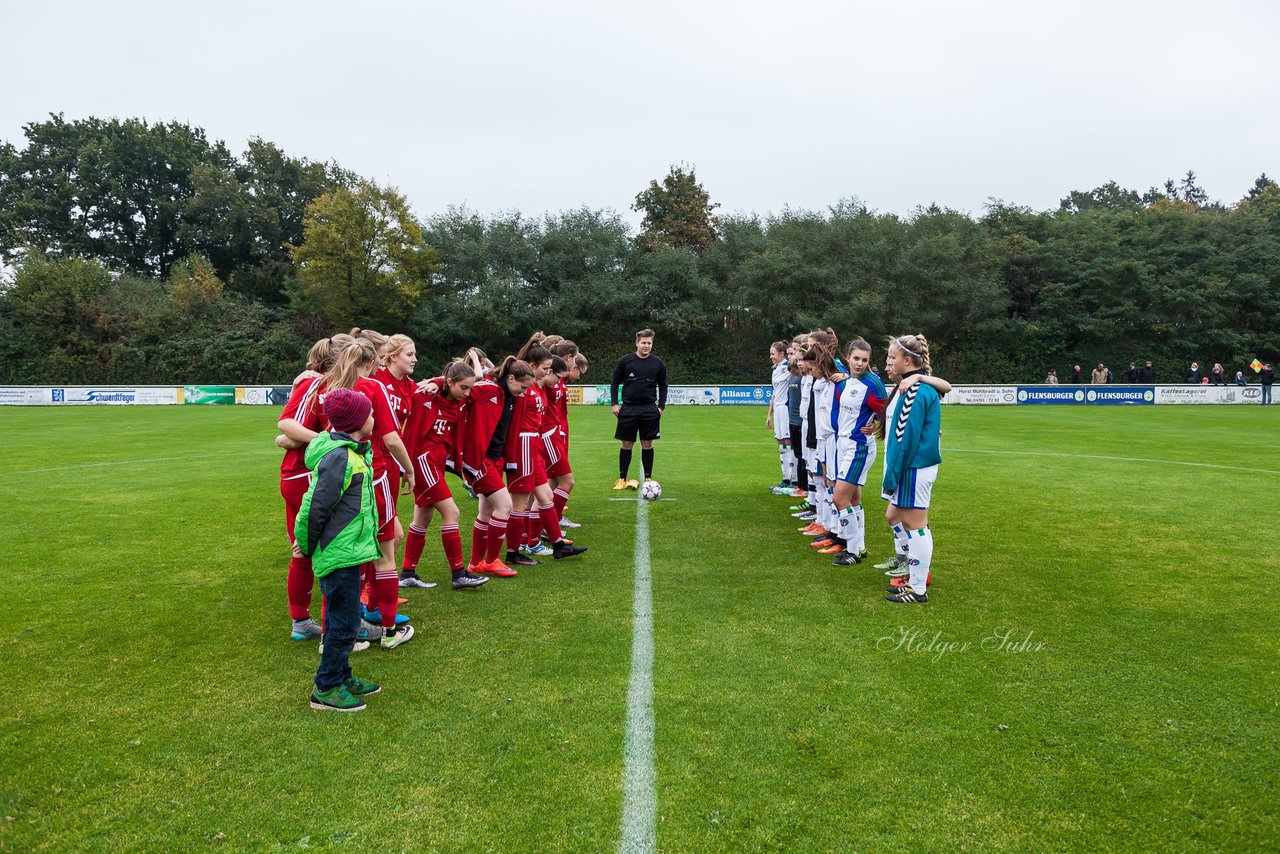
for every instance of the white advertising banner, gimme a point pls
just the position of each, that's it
(1167, 394)
(982, 395)
(111, 395)
(23, 396)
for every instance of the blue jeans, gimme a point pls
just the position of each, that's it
(341, 590)
(1266, 394)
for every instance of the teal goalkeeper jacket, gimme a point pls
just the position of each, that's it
(337, 525)
(912, 434)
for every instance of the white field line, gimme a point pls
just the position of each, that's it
(644, 499)
(639, 779)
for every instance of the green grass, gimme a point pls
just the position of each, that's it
(155, 702)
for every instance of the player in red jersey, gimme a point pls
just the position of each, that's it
(526, 468)
(397, 357)
(559, 472)
(299, 423)
(432, 438)
(483, 436)
(390, 459)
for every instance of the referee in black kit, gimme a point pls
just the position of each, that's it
(643, 378)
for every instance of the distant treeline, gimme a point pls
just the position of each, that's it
(145, 253)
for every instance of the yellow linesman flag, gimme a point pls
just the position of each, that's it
(1256, 365)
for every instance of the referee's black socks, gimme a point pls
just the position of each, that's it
(624, 462)
(646, 461)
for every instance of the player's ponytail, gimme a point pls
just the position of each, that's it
(395, 344)
(916, 349)
(456, 372)
(377, 339)
(534, 340)
(826, 339)
(563, 348)
(355, 361)
(512, 368)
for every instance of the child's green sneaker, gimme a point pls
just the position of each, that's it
(357, 687)
(337, 699)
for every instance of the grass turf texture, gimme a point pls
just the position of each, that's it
(156, 701)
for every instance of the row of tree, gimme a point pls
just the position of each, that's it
(145, 253)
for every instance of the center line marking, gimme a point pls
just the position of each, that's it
(639, 779)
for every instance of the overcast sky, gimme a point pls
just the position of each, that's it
(551, 105)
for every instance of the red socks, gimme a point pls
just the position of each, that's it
(550, 522)
(414, 541)
(497, 533)
(515, 530)
(299, 583)
(479, 541)
(452, 542)
(559, 498)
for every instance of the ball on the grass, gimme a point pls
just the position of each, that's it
(651, 490)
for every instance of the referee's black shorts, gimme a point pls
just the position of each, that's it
(643, 419)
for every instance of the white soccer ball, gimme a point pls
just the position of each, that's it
(651, 490)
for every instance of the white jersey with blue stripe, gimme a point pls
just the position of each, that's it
(854, 410)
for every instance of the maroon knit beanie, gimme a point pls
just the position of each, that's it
(346, 410)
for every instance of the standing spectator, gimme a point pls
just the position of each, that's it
(1108, 370)
(1268, 376)
(1052, 379)
(1132, 372)
(1217, 376)
(1240, 380)
(1193, 376)
(1147, 374)
(1076, 376)
(1099, 376)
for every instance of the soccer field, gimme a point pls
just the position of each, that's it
(1096, 668)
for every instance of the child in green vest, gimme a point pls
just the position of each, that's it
(337, 528)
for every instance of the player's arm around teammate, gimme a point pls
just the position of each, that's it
(912, 456)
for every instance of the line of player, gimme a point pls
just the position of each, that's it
(826, 410)
(502, 429)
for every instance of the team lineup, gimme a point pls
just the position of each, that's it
(358, 431)
(826, 413)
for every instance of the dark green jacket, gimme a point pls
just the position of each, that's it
(338, 523)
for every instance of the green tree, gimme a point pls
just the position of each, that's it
(678, 213)
(362, 260)
(106, 189)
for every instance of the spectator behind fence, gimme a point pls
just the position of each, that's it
(1218, 376)
(1193, 376)
(1240, 380)
(1099, 376)
(1147, 374)
(1075, 375)
(1132, 372)
(1052, 379)
(1267, 377)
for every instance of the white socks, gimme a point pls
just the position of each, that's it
(784, 461)
(900, 544)
(919, 556)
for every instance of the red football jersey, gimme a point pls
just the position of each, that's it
(384, 421)
(399, 394)
(305, 409)
(480, 419)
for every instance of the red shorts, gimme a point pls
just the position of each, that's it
(527, 471)
(429, 487)
(555, 453)
(386, 488)
(293, 488)
(489, 480)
